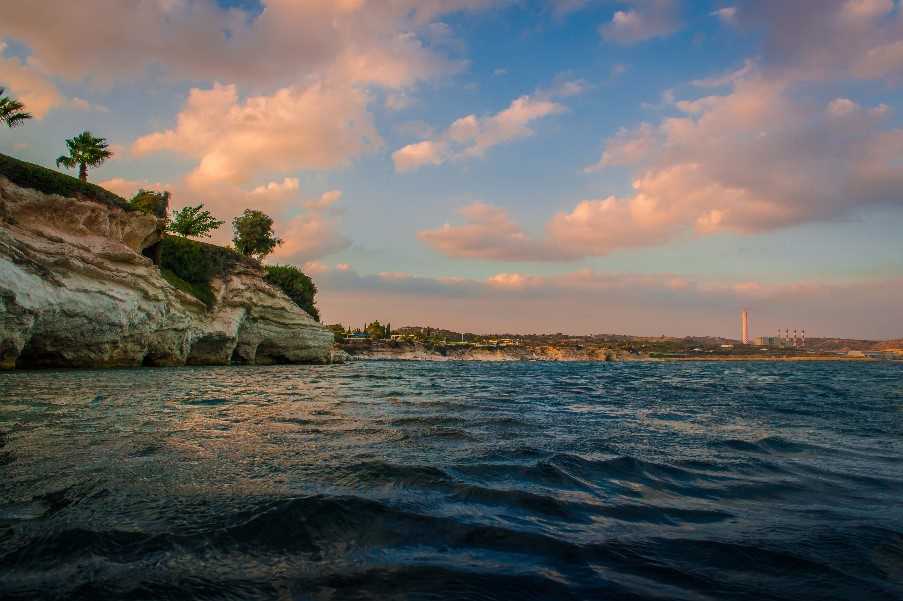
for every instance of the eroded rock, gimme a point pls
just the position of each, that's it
(76, 291)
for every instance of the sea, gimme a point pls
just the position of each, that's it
(459, 480)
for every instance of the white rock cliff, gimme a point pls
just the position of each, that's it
(76, 291)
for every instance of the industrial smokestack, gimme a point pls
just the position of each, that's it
(744, 326)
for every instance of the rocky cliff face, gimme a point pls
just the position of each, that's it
(76, 291)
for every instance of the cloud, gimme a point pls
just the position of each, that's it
(644, 20)
(627, 147)
(696, 170)
(286, 186)
(489, 233)
(28, 85)
(753, 159)
(197, 40)
(316, 127)
(832, 39)
(472, 136)
(589, 301)
(325, 201)
(727, 14)
(309, 236)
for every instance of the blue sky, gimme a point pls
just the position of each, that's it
(784, 175)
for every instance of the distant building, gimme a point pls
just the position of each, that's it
(762, 341)
(744, 327)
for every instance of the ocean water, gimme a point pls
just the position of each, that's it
(396, 480)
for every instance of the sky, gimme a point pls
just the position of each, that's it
(648, 167)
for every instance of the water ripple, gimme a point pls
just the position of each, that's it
(453, 481)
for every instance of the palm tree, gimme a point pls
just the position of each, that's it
(11, 111)
(84, 151)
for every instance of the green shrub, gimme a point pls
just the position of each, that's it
(152, 203)
(195, 264)
(202, 292)
(48, 181)
(296, 285)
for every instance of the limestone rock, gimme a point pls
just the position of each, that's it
(76, 291)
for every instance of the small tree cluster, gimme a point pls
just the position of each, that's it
(377, 331)
(253, 234)
(194, 222)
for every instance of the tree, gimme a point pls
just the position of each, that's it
(84, 151)
(194, 221)
(296, 285)
(253, 234)
(11, 111)
(375, 331)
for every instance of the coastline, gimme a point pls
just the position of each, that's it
(507, 358)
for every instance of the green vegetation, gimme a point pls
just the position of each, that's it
(202, 292)
(253, 234)
(48, 181)
(11, 111)
(152, 203)
(194, 221)
(85, 151)
(377, 331)
(190, 266)
(296, 285)
(338, 331)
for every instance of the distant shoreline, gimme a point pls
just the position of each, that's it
(506, 358)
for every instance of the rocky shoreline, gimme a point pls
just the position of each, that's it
(79, 288)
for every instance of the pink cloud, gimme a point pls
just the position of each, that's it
(644, 20)
(472, 136)
(362, 42)
(489, 233)
(750, 160)
(29, 85)
(830, 39)
(316, 127)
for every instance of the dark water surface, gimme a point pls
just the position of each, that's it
(454, 481)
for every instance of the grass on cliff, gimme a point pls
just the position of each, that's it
(190, 265)
(296, 285)
(48, 181)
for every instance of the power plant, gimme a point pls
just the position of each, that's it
(785, 338)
